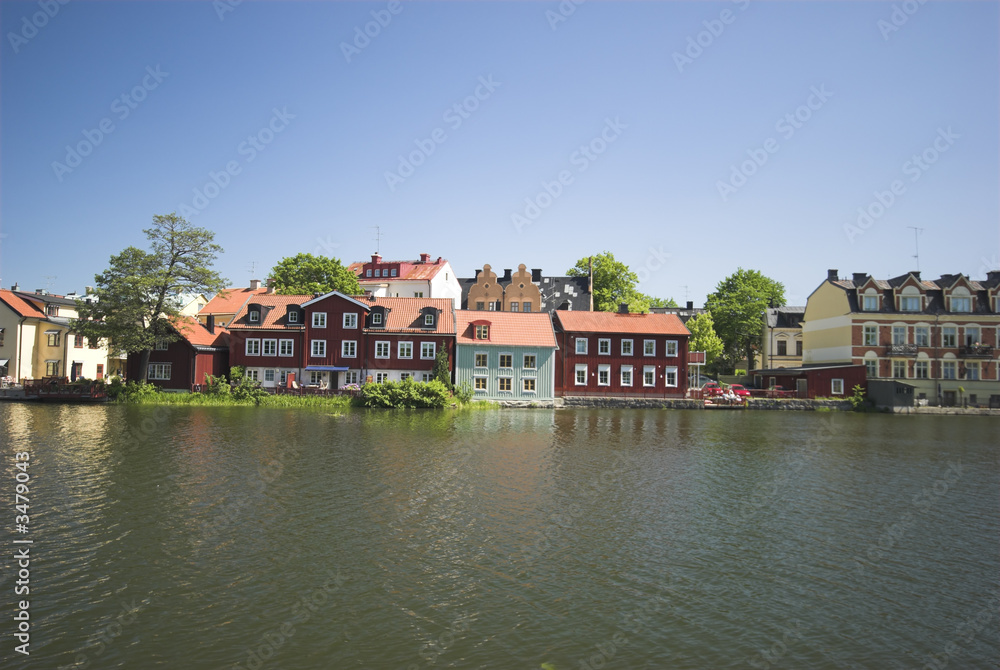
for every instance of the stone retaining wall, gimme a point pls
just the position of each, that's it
(799, 404)
(634, 403)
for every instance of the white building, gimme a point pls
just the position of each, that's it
(423, 278)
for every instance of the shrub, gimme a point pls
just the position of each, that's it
(407, 393)
(464, 392)
(858, 399)
(138, 392)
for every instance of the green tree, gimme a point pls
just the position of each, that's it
(441, 370)
(660, 302)
(704, 338)
(614, 283)
(737, 309)
(304, 274)
(131, 307)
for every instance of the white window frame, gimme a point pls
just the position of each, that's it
(605, 371)
(625, 369)
(350, 319)
(945, 334)
(871, 368)
(648, 370)
(254, 316)
(965, 299)
(253, 346)
(428, 319)
(381, 377)
(671, 348)
(899, 335)
(368, 272)
(905, 300)
(581, 351)
(580, 367)
(349, 345)
(837, 386)
(951, 366)
(866, 307)
(392, 272)
(293, 316)
(286, 347)
(922, 330)
(628, 344)
(408, 346)
(352, 377)
(969, 374)
(418, 294)
(158, 371)
(317, 348)
(649, 347)
(316, 377)
(977, 338)
(377, 318)
(921, 366)
(161, 344)
(269, 372)
(383, 349)
(269, 347)
(319, 320)
(896, 363)
(604, 346)
(428, 350)
(667, 373)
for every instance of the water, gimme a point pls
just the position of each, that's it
(232, 537)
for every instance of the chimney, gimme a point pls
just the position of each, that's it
(916, 273)
(439, 261)
(15, 287)
(623, 308)
(690, 304)
(425, 258)
(40, 291)
(316, 295)
(536, 275)
(270, 285)
(859, 278)
(506, 275)
(992, 276)
(831, 275)
(376, 258)
(477, 273)
(210, 323)
(254, 284)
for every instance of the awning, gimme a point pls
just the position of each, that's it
(52, 332)
(325, 368)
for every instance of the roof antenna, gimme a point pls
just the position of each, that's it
(378, 240)
(916, 245)
(253, 269)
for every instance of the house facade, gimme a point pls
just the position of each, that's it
(524, 291)
(182, 364)
(423, 278)
(403, 337)
(939, 336)
(782, 342)
(621, 355)
(226, 304)
(506, 355)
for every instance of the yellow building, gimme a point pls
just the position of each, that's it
(782, 341)
(942, 336)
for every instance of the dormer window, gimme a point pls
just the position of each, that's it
(52, 310)
(428, 319)
(909, 303)
(393, 271)
(254, 316)
(376, 318)
(870, 303)
(368, 273)
(378, 273)
(293, 316)
(482, 332)
(961, 304)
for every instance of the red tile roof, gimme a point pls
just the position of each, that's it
(273, 318)
(19, 305)
(229, 301)
(513, 329)
(612, 322)
(191, 330)
(408, 270)
(404, 314)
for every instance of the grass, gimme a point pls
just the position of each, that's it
(205, 400)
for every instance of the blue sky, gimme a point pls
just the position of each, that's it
(688, 138)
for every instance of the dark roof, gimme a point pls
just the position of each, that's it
(685, 314)
(789, 316)
(933, 290)
(557, 292)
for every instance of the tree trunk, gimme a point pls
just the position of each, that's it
(144, 364)
(749, 357)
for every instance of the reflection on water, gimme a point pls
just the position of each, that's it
(234, 537)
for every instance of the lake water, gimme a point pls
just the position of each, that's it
(243, 538)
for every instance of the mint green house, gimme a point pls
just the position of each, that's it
(506, 355)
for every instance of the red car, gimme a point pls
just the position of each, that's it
(739, 390)
(711, 389)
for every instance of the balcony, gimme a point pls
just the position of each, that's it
(901, 350)
(977, 351)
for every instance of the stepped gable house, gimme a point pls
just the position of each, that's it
(524, 291)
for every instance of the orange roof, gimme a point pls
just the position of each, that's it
(512, 329)
(404, 314)
(191, 330)
(229, 301)
(612, 322)
(273, 318)
(408, 270)
(19, 305)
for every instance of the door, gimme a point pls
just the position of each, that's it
(802, 388)
(100, 371)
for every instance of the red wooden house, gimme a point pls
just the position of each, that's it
(403, 336)
(267, 338)
(182, 364)
(620, 354)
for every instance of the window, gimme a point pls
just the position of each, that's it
(52, 369)
(283, 378)
(782, 347)
(392, 272)
(626, 347)
(581, 345)
(351, 377)
(93, 344)
(78, 341)
(1, 337)
(649, 347)
(269, 376)
(871, 368)
(52, 337)
(961, 304)
(506, 360)
(319, 319)
(909, 303)
(920, 370)
(526, 307)
(482, 359)
(482, 332)
(318, 348)
(425, 376)
(922, 336)
(479, 384)
(368, 273)
(404, 350)
(378, 273)
(428, 319)
(948, 370)
(159, 371)
(671, 347)
(293, 316)
(418, 294)
(403, 376)
(513, 306)
(972, 335)
(949, 336)
(798, 347)
(52, 310)
(530, 362)
(870, 336)
(528, 385)
(316, 378)
(870, 303)
(604, 375)
(670, 375)
(604, 346)
(972, 370)
(253, 347)
(899, 369)
(270, 347)
(381, 377)
(285, 347)
(649, 375)
(427, 350)
(161, 344)
(254, 316)
(837, 386)
(349, 348)
(581, 375)
(480, 305)
(504, 384)
(350, 320)
(626, 376)
(898, 335)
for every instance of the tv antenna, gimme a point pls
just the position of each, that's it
(685, 292)
(378, 239)
(253, 269)
(916, 244)
(49, 281)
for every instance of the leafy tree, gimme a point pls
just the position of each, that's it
(304, 274)
(737, 309)
(441, 371)
(703, 337)
(614, 283)
(660, 302)
(133, 306)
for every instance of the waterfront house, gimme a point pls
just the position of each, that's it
(181, 364)
(783, 344)
(226, 304)
(421, 278)
(940, 336)
(524, 291)
(506, 355)
(618, 354)
(403, 336)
